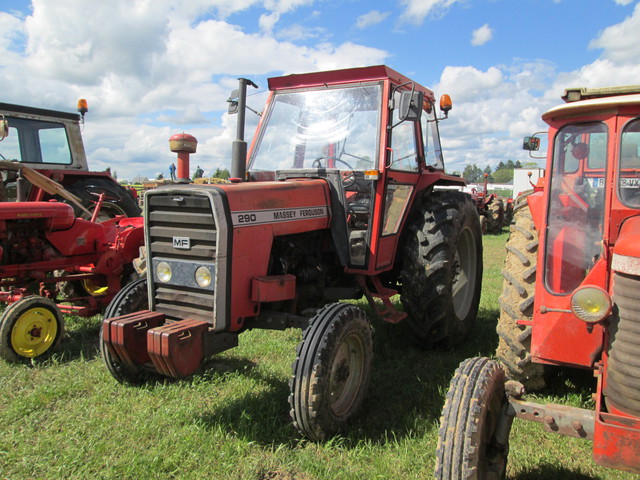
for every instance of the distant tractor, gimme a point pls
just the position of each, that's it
(491, 208)
(335, 200)
(571, 297)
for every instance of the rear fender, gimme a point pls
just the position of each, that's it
(626, 251)
(536, 206)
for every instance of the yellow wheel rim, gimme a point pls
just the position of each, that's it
(34, 332)
(94, 289)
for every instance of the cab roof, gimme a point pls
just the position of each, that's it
(8, 108)
(581, 101)
(349, 75)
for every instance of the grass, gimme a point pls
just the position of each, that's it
(67, 418)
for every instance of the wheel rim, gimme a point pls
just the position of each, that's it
(464, 274)
(493, 458)
(347, 372)
(34, 332)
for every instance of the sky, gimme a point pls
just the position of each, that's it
(153, 68)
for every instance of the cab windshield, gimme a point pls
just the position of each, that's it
(321, 128)
(576, 205)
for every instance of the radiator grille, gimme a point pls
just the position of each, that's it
(181, 215)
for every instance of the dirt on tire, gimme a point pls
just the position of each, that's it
(516, 300)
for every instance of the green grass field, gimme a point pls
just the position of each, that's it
(67, 418)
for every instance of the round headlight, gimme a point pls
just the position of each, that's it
(163, 271)
(203, 276)
(591, 304)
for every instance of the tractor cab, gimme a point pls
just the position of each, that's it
(371, 133)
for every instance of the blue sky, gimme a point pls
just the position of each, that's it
(156, 67)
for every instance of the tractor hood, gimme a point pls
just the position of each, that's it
(280, 204)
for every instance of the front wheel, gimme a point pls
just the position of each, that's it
(331, 371)
(132, 298)
(474, 427)
(29, 328)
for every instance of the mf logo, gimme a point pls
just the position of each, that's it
(183, 243)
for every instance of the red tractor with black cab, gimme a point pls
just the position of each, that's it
(335, 200)
(571, 297)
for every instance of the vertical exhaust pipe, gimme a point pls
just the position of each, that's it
(239, 146)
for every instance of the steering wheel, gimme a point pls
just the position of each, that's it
(317, 163)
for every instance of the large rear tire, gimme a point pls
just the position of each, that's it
(442, 269)
(132, 298)
(117, 200)
(474, 430)
(331, 371)
(516, 301)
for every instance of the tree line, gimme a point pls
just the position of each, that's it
(502, 173)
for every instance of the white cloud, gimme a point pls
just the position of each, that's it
(374, 17)
(481, 35)
(620, 42)
(415, 11)
(153, 68)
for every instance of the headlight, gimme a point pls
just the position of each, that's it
(203, 276)
(591, 304)
(163, 271)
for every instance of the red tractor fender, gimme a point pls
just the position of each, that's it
(536, 206)
(626, 251)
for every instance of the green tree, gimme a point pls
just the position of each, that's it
(472, 174)
(504, 175)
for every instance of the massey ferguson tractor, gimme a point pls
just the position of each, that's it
(49, 142)
(335, 200)
(571, 297)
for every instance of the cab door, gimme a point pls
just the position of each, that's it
(404, 160)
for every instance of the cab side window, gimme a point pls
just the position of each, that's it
(404, 154)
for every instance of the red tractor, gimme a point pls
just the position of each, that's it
(491, 208)
(335, 200)
(50, 261)
(53, 263)
(571, 297)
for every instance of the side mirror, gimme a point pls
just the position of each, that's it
(411, 106)
(531, 143)
(233, 102)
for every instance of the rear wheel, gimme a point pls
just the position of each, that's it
(132, 298)
(495, 216)
(331, 371)
(474, 427)
(442, 269)
(29, 328)
(516, 301)
(117, 200)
